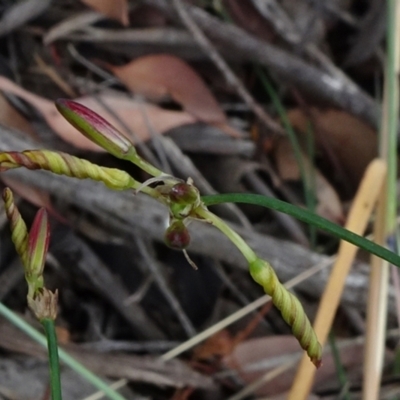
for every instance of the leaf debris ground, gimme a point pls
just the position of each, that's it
(214, 134)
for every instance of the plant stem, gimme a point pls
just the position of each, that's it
(309, 218)
(64, 356)
(340, 371)
(145, 166)
(54, 363)
(244, 248)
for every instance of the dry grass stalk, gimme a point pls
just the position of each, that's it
(358, 218)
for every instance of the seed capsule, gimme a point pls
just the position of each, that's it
(177, 236)
(183, 193)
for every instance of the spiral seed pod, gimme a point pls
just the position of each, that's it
(177, 236)
(19, 231)
(290, 308)
(64, 164)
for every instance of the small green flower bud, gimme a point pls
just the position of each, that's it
(38, 243)
(96, 128)
(177, 235)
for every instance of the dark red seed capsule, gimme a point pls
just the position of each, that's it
(177, 236)
(183, 193)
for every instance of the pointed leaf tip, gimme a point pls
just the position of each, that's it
(38, 243)
(96, 128)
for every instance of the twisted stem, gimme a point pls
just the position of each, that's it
(65, 164)
(290, 307)
(261, 271)
(19, 230)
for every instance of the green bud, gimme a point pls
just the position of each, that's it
(96, 128)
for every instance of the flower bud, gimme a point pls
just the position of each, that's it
(38, 243)
(177, 235)
(96, 128)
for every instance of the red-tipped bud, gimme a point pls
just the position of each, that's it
(177, 236)
(184, 193)
(38, 244)
(96, 128)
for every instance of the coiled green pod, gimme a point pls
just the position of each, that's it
(65, 164)
(19, 230)
(290, 308)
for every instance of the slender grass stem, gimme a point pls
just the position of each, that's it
(340, 371)
(308, 217)
(306, 176)
(64, 356)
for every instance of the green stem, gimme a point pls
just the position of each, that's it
(305, 216)
(64, 357)
(244, 248)
(54, 364)
(144, 165)
(340, 371)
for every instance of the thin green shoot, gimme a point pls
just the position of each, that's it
(64, 356)
(340, 371)
(307, 217)
(309, 193)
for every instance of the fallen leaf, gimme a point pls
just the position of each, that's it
(217, 346)
(113, 9)
(10, 117)
(159, 76)
(352, 142)
(254, 357)
(247, 17)
(329, 205)
(37, 197)
(140, 118)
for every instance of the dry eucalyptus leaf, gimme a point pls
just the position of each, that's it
(139, 117)
(113, 9)
(254, 357)
(10, 117)
(329, 204)
(161, 76)
(353, 143)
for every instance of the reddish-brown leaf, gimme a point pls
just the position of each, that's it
(113, 9)
(141, 118)
(349, 140)
(329, 204)
(162, 75)
(254, 357)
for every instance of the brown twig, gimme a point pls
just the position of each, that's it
(292, 70)
(223, 67)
